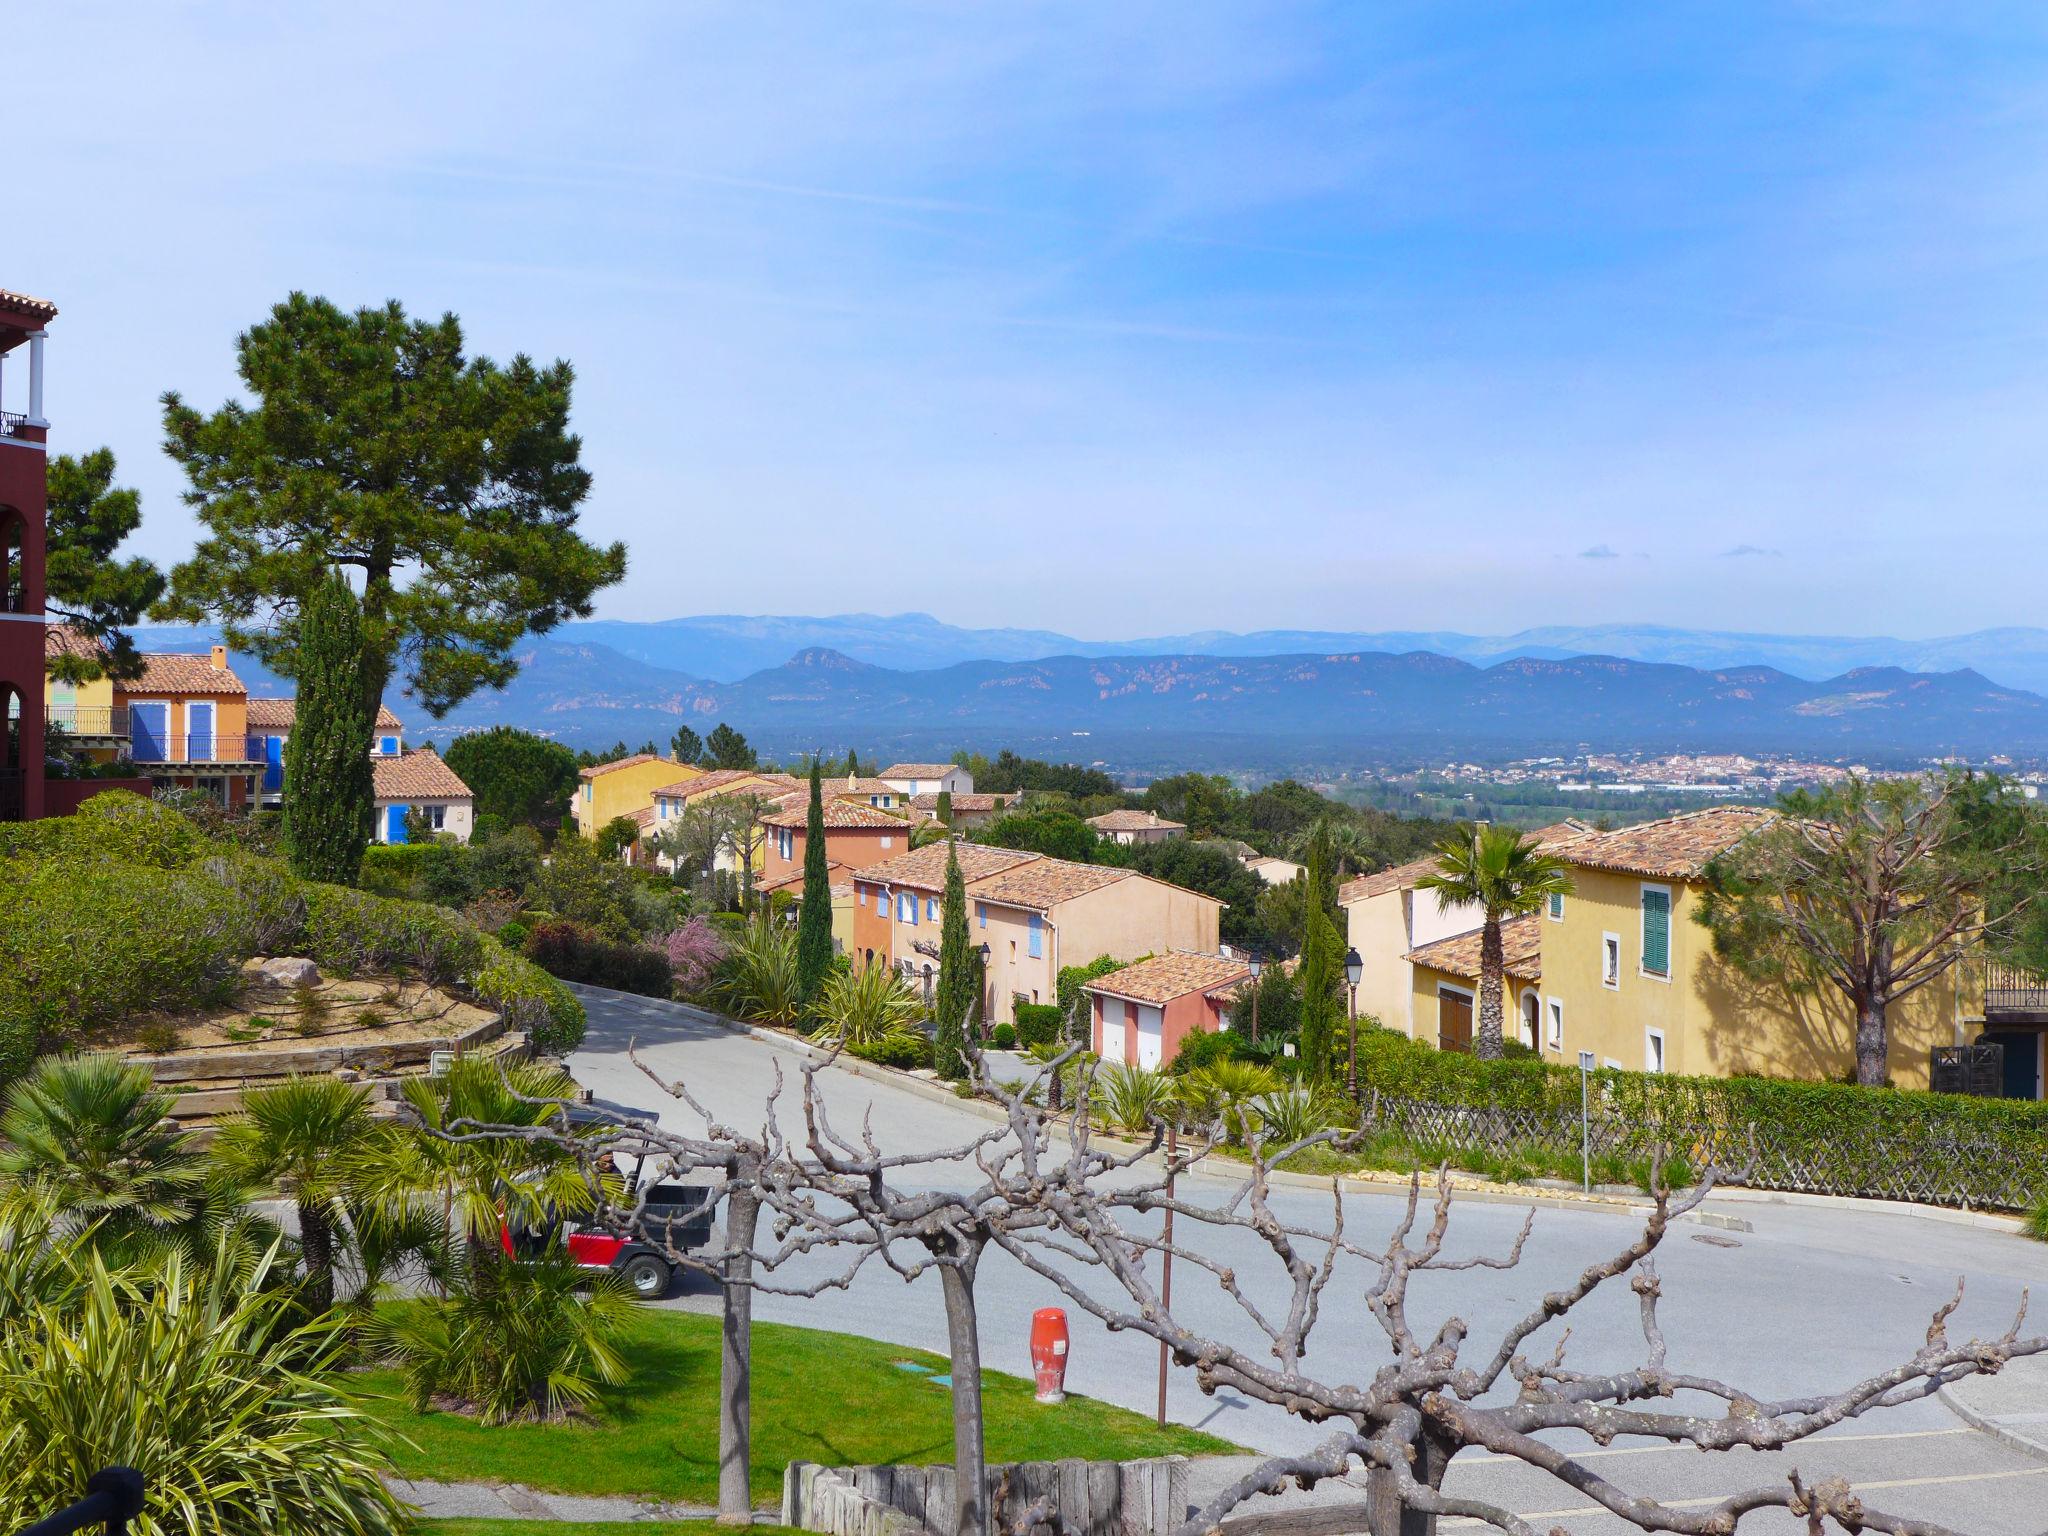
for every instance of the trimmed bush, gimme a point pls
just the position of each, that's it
(906, 1052)
(1003, 1037)
(575, 953)
(116, 826)
(1037, 1023)
(349, 932)
(529, 998)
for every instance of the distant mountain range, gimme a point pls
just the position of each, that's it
(728, 647)
(1238, 709)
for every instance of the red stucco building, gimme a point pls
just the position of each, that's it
(23, 506)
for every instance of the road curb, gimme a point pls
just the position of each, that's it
(1990, 1424)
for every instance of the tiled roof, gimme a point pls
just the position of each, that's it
(68, 640)
(924, 868)
(270, 714)
(917, 770)
(1132, 821)
(1677, 848)
(961, 802)
(840, 815)
(622, 762)
(1045, 883)
(794, 880)
(1402, 877)
(417, 772)
(769, 786)
(1521, 943)
(1165, 977)
(180, 672)
(847, 784)
(9, 299)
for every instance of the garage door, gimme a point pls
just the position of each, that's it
(1112, 1029)
(1151, 1024)
(1453, 1020)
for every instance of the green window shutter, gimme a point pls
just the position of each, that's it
(1657, 932)
(1557, 904)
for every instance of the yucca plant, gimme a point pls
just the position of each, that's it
(867, 1006)
(1227, 1092)
(201, 1382)
(1290, 1115)
(1135, 1099)
(530, 1340)
(759, 978)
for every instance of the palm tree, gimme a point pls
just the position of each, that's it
(1496, 870)
(303, 1139)
(1345, 846)
(93, 1135)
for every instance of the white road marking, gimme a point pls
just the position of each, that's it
(1651, 1450)
(1856, 1487)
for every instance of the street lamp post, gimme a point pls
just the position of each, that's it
(1353, 967)
(1257, 965)
(981, 990)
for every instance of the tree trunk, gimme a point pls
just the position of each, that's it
(1872, 1037)
(316, 1247)
(736, 1359)
(970, 1473)
(1486, 1043)
(1385, 1514)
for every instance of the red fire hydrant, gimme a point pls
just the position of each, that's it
(1049, 1353)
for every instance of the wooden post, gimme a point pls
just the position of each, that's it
(735, 1359)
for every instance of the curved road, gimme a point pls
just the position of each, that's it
(1810, 1299)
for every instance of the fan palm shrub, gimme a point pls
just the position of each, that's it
(759, 981)
(1226, 1093)
(202, 1381)
(1134, 1099)
(531, 1340)
(303, 1139)
(866, 1007)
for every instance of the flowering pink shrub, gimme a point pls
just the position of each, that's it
(694, 953)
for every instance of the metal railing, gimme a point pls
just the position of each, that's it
(113, 1497)
(2010, 990)
(88, 719)
(11, 422)
(151, 750)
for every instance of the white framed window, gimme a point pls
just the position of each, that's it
(1610, 961)
(888, 841)
(1653, 1050)
(1554, 1019)
(1557, 906)
(1656, 931)
(931, 908)
(437, 817)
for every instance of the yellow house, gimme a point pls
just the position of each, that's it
(1621, 970)
(623, 788)
(672, 799)
(86, 713)
(1446, 984)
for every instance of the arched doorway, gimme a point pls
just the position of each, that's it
(13, 777)
(1530, 1004)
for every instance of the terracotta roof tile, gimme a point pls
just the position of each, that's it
(794, 880)
(924, 868)
(847, 784)
(1163, 978)
(1132, 821)
(918, 770)
(1045, 883)
(68, 640)
(617, 763)
(1402, 877)
(840, 815)
(961, 802)
(770, 786)
(182, 672)
(21, 302)
(277, 714)
(417, 772)
(1521, 942)
(1676, 848)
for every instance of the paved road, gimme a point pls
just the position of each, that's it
(1810, 1299)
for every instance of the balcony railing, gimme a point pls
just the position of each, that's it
(148, 750)
(11, 422)
(2011, 993)
(88, 719)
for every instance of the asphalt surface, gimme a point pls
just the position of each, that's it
(1809, 1300)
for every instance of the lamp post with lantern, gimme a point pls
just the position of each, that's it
(1257, 964)
(1353, 968)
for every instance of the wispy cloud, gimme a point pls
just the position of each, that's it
(1600, 552)
(1751, 552)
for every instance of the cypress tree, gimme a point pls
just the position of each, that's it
(328, 796)
(814, 917)
(957, 975)
(945, 806)
(1320, 1009)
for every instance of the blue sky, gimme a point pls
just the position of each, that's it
(1129, 317)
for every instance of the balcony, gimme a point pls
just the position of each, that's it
(179, 754)
(89, 721)
(2014, 996)
(11, 423)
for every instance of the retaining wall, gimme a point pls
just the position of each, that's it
(1098, 1498)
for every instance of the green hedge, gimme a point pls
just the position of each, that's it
(1037, 1023)
(1834, 1137)
(350, 932)
(529, 998)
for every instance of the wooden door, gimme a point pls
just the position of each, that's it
(1453, 1020)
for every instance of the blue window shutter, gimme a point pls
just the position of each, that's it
(981, 913)
(1037, 936)
(1557, 903)
(931, 908)
(1657, 932)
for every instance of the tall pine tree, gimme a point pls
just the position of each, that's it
(1321, 1010)
(328, 797)
(814, 917)
(959, 976)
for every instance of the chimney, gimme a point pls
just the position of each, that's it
(220, 658)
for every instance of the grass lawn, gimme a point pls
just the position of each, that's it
(587, 1528)
(828, 1397)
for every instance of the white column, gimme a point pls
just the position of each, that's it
(35, 378)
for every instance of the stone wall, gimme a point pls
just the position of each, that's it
(1098, 1498)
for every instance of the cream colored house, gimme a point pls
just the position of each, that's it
(1136, 827)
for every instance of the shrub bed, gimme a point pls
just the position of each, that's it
(1037, 1023)
(576, 953)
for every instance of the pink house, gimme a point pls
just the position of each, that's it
(1142, 1013)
